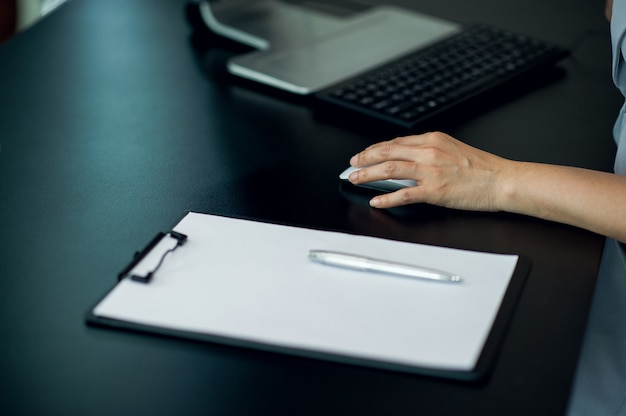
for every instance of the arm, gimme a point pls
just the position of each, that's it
(453, 174)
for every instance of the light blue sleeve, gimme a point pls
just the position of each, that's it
(600, 383)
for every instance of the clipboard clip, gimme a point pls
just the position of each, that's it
(134, 271)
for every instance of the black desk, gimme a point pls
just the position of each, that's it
(113, 125)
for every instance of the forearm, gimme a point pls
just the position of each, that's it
(584, 198)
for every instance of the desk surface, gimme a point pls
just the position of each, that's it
(114, 123)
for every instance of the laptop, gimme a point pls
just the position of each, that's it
(302, 50)
(386, 63)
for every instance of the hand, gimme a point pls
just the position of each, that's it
(448, 172)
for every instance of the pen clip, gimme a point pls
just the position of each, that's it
(140, 256)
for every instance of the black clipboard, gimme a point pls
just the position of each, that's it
(484, 364)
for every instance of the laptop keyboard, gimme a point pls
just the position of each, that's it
(415, 87)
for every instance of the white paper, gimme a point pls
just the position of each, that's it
(253, 281)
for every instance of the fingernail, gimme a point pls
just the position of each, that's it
(374, 202)
(353, 176)
(354, 160)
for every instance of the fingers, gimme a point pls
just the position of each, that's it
(376, 153)
(400, 158)
(398, 198)
(401, 148)
(386, 170)
(380, 152)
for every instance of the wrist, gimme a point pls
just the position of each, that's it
(506, 191)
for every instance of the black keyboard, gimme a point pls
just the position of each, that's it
(415, 87)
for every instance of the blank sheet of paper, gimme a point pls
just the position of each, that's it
(253, 282)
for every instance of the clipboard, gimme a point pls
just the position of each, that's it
(183, 285)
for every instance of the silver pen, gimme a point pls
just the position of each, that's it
(367, 264)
